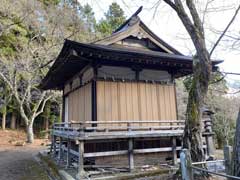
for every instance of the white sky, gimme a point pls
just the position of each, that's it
(168, 27)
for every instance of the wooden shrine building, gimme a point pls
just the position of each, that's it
(119, 96)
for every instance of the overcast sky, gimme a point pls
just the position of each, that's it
(165, 23)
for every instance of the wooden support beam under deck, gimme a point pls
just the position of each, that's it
(68, 153)
(174, 150)
(80, 173)
(130, 154)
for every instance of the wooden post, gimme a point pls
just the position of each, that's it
(60, 155)
(80, 173)
(130, 154)
(174, 150)
(186, 164)
(68, 153)
(227, 151)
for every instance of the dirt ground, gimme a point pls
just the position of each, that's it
(18, 162)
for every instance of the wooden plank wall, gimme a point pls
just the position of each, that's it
(135, 101)
(79, 107)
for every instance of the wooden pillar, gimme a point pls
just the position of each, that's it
(94, 102)
(186, 162)
(130, 154)
(68, 153)
(62, 109)
(80, 173)
(174, 150)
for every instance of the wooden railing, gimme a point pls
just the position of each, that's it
(109, 126)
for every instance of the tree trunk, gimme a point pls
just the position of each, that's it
(236, 150)
(202, 68)
(192, 138)
(30, 135)
(13, 121)
(4, 115)
(46, 124)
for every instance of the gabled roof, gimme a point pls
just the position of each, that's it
(75, 56)
(136, 28)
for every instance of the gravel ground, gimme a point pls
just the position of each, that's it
(17, 162)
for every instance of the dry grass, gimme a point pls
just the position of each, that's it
(9, 137)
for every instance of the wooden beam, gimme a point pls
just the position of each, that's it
(81, 172)
(94, 100)
(103, 154)
(124, 152)
(174, 150)
(125, 122)
(68, 153)
(154, 150)
(130, 154)
(75, 135)
(132, 128)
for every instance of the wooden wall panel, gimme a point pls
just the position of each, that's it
(69, 108)
(161, 102)
(166, 100)
(88, 102)
(101, 101)
(114, 104)
(148, 104)
(154, 103)
(143, 101)
(129, 101)
(173, 103)
(80, 104)
(122, 101)
(135, 101)
(75, 110)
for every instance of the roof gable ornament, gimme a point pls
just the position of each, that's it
(131, 21)
(145, 38)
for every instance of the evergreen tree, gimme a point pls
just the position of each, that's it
(113, 19)
(88, 17)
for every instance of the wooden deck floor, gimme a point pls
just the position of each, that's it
(75, 135)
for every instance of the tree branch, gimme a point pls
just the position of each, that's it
(43, 105)
(225, 30)
(195, 17)
(171, 4)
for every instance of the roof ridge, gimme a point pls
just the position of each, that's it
(129, 19)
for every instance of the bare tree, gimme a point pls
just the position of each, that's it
(201, 74)
(22, 75)
(44, 29)
(236, 150)
(6, 97)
